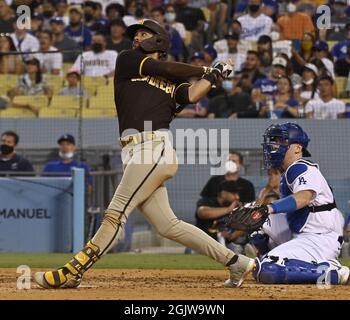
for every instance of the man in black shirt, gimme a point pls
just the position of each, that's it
(210, 210)
(6, 18)
(9, 159)
(342, 66)
(189, 16)
(245, 187)
(147, 91)
(117, 41)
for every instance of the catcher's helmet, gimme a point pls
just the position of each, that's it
(277, 139)
(159, 42)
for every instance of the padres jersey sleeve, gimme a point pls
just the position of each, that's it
(129, 64)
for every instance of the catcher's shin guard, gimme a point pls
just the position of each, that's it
(70, 275)
(295, 271)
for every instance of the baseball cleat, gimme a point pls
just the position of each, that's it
(57, 279)
(344, 275)
(238, 271)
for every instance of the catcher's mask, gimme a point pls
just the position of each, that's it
(278, 138)
(159, 42)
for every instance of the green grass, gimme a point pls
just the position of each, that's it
(113, 261)
(116, 261)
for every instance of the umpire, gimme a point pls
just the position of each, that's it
(147, 90)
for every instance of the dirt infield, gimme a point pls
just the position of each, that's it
(165, 284)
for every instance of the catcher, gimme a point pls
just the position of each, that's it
(312, 215)
(147, 89)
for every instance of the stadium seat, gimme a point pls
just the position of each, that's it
(93, 81)
(8, 80)
(36, 101)
(70, 102)
(57, 113)
(102, 102)
(66, 68)
(106, 91)
(55, 82)
(99, 113)
(341, 83)
(16, 113)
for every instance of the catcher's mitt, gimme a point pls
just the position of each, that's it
(248, 218)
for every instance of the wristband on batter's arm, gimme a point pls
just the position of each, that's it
(286, 205)
(212, 75)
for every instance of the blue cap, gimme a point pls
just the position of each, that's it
(321, 45)
(211, 51)
(197, 55)
(57, 20)
(66, 137)
(37, 16)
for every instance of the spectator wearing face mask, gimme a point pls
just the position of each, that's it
(66, 152)
(294, 24)
(233, 165)
(135, 11)
(170, 18)
(255, 23)
(97, 62)
(76, 28)
(176, 44)
(94, 19)
(304, 54)
(234, 104)
(308, 88)
(9, 159)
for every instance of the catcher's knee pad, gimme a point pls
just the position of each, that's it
(84, 259)
(260, 242)
(294, 271)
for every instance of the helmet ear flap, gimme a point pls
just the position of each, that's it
(154, 44)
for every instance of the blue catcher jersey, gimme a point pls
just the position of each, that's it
(305, 175)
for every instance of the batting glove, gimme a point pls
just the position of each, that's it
(225, 68)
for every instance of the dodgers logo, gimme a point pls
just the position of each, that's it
(302, 181)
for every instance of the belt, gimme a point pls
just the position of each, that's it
(138, 138)
(324, 207)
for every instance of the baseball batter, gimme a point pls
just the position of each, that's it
(147, 88)
(311, 213)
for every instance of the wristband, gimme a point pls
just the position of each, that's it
(286, 205)
(212, 76)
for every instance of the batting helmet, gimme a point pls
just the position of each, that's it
(277, 139)
(159, 42)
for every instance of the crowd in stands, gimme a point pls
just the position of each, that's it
(285, 66)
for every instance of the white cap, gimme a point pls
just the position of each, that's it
(312, 67)
(279, 61)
